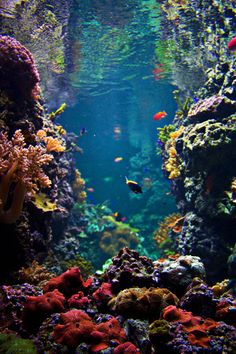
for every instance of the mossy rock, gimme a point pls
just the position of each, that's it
(11, 344)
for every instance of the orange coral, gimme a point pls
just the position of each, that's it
(196, 327)
(53, 144)
(171, 221)
(21, 168)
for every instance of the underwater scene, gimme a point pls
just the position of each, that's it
(118, 176)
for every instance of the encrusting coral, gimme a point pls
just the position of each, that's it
(21, 169)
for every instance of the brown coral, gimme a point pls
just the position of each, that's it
(142, 302)
(161, 234)
(36, 274)
(112, 241)
(78, 187)
(21, 173)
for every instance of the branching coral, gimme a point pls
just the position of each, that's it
(20, 169)
(164, 132)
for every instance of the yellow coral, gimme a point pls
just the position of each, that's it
(172, 165)
(112, 241)
(176, 134)
(78, 187)
(59, 111)
(41, 201)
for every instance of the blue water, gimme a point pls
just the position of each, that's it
(117, 96)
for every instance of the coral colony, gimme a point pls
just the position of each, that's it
(53, 296)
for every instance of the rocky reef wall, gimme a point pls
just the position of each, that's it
(200, 152)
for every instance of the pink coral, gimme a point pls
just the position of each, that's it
(18, 74)
(21, 167)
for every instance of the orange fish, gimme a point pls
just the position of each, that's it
(118, 159)
(159, 115)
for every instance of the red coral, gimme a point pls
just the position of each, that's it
(68, 283)
(77, 327)
(199, 338)
(105, 332)
(173, 314)
(18, 74)
(225, 311)
(103, 295)
(126, 348)
(196, 327)
(37, 308)
(79, 301)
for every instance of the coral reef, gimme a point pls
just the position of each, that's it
(9, 343)
(68, 283)
(136, 320)
(28, 207)
(199, 160)
(37, 308)
(23, 167)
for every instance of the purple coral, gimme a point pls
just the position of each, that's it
(128, 269)
(18, 76)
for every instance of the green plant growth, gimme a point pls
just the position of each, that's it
(164, 132)
(10, 344)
